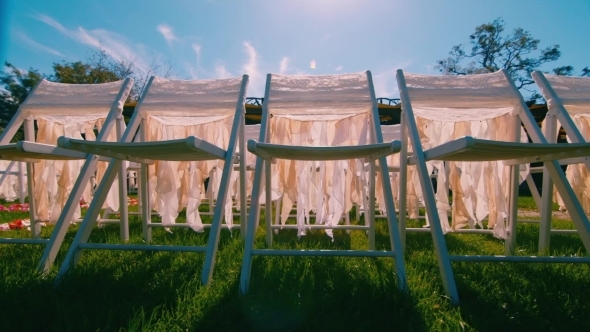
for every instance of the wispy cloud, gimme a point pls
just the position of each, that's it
(29, 41)
(312, 64)
(197, 49)
(326, 37)
(429, 69)
(251, 67)
(222, 72)
(284, 66)
(167, 33)
(113, 44)
(385, 81)
(338, 68)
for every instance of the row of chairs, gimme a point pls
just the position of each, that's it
(320, 150)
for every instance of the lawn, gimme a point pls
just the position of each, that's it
(129, 291)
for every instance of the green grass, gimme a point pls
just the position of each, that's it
(129, 291)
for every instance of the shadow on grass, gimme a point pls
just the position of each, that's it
(523, 296)
(514, 296)
(328, 293)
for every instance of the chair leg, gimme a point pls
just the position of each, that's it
(89, 220)
(146, 211)
(277, 214)
(546, 205)
(123, 204)
(251, 229)
(370, 209)
(35, 229)
(510, 243)
(268, 204)
(66, 215)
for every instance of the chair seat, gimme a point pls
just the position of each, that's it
(188, 149)
(34, 152)
(472, 149)
(317, 153)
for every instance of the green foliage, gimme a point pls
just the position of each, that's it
(97, 69)
(15, 85)
(493, 49)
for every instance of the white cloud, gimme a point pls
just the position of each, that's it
(429, 69)
(167, 33)
(312, 64)
(339, 68)
(326, 37)
(113, 44)
(222, 72)
(29, 41)
(197, 48)
(284, 65)
(251, 67)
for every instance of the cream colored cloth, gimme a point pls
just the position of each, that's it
(327, 188)
(175, 184)
(574, 96)
(449, 107)
(54, 179)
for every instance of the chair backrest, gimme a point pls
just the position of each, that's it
(318, 97)
(314, 99)
(460, 98)
(571, 92)
(57, 99)
(70, 103)
(199, 98)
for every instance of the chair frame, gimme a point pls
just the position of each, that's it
(38, 152)
(442, 152)
(136, 123)
(263, 163)
(551, 132)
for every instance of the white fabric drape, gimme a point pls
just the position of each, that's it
(449, 107)
(175, 184)
(574, 95)
(326, 110)
(176, 109)
(54, 179)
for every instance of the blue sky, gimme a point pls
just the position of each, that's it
(217, 38)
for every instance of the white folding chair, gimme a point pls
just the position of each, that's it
(490, 107)
(186, 128)
(568, 103)
(62, 109)
(331, 123)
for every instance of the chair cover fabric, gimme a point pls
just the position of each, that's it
(449, 107)
(70, 110)
(176, 109)
(574, 96)
(326, 110)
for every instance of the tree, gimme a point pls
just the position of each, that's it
(15, 87)
(492, 49)
(99, 68)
